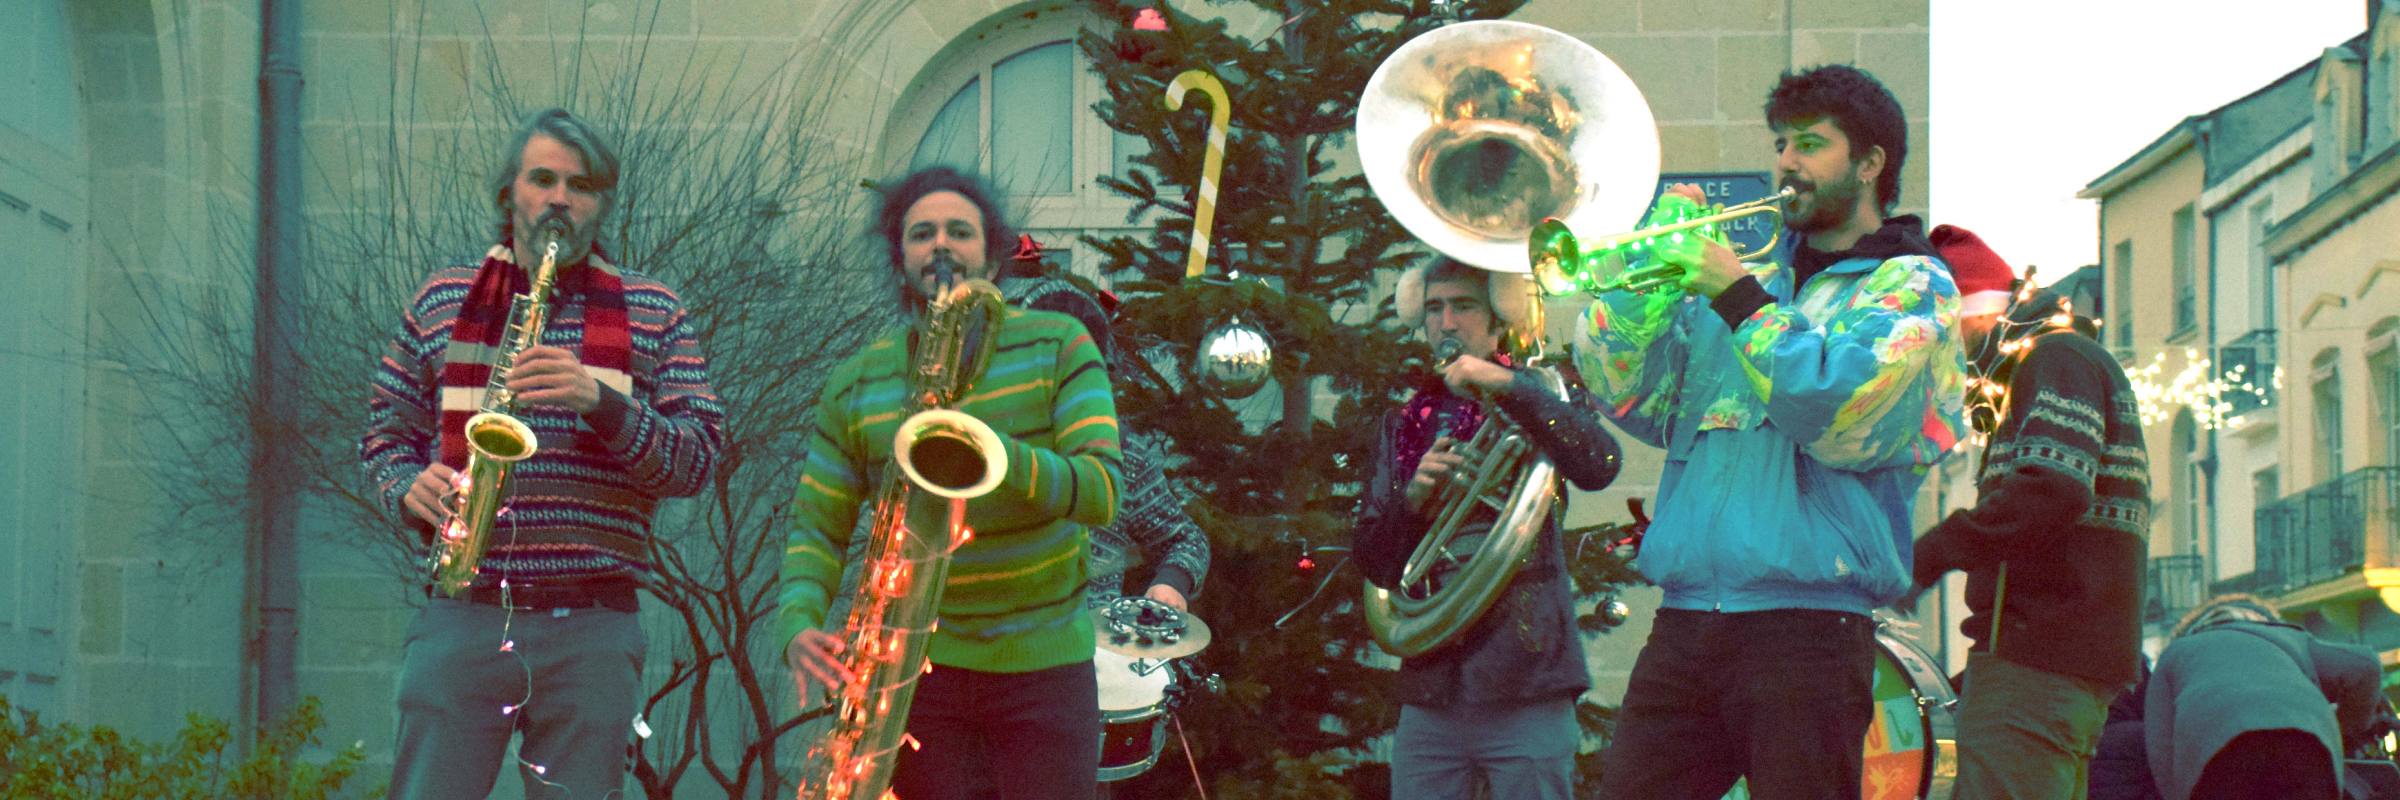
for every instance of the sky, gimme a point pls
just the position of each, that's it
(2033, 99)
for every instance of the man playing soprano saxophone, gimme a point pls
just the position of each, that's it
(1011, 654)
(617, 391)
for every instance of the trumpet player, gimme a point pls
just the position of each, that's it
(1011, 654)
(545, 640)
(1799, 406)
(1498, 703)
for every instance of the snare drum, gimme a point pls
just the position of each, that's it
(1912, 741)
(1133, 718)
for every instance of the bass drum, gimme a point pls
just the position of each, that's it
(1912, 739)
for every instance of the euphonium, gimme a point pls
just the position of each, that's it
(940, 459)
(496, 440)
(1471, 134)
(1505, 492)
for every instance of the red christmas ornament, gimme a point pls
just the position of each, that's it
(1142, 36)
(1027, 249)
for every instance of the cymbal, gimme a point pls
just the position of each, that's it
(1151, 635)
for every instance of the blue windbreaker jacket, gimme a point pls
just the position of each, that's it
(1795, 443)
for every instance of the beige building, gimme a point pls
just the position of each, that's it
(2329, 550)
(2249, 238)
(129, 147)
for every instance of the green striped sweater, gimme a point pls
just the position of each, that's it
(1015, 598)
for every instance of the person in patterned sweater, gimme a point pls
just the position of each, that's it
(617, 392)
(1011, 650)
(2053, 548)
(1151, 525)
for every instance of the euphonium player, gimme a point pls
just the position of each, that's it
(1011, 655)
(1799, 407)
(1497, 704)
(618, 393)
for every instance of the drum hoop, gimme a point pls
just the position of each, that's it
(1158, 744)
(1130, 715)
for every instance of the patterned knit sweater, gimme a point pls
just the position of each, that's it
(580, 508)
(2064, 501)
(1015, 597)
(1150, 521)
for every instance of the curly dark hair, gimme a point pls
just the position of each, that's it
(1859, 105)
(998, 237)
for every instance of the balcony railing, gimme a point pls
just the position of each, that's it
(2176, 586)
(2329, 530)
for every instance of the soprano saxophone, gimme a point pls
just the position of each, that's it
(940, 459)
(496, 439)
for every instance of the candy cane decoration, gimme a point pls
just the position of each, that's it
(1219, 113)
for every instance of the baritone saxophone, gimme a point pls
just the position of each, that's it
(940, 459)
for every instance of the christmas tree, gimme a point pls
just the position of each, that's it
(1302, 704)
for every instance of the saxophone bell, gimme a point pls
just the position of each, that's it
(950, 453)
(500, 437)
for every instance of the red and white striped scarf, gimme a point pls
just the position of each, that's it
(475, 339)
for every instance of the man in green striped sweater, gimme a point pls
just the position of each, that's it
(1012, 648)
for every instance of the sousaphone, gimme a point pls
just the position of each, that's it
(1473, 134)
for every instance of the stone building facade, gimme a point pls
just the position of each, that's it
(131, 149)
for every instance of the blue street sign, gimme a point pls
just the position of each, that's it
(1729, 188)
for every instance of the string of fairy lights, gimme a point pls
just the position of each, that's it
(508, 644)
(1987, 389)
(2202, 388)
(2209, 393)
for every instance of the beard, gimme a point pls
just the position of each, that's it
(1823, 207)
(572, 240)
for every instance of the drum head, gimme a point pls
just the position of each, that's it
(1122, 689)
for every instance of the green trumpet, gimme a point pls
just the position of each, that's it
(1564, 264)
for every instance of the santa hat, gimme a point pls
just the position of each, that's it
(1984, 280)
(1511, 296)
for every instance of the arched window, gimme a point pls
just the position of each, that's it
(1012, 99)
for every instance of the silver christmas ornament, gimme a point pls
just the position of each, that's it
(1235, 360)
(1615, 612)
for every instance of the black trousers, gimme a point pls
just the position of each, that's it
(2285, 764)
(1781, 696)
(1037, 732)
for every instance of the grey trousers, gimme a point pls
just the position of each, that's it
(2026, 733)
(1526, 752)
(462, 696)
